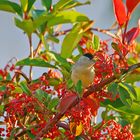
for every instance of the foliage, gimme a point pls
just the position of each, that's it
(51, 106)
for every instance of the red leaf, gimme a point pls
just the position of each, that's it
(132, 34)
(131, 5)
(67, 102)
(120, 11)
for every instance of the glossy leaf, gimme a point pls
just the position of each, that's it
(67, 17)
(47, 3)
(120, 11)
(130, 89)
(61, 4)
(25, 25)
(29, 26)
(79, 87)
(27, 4)
(96, 42)
(30, 135)
(53, 103)
(132, 78)
(30, 4)
(75, 4)
(113, 88)
(60, 60)
(132, 34)
(24, 5)
(125, 96)
(9, 6)
(43, 97)
(131, 5)
(34, 62)
(25, 88)
(71, 40)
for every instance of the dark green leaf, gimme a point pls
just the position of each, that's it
(34, 62)
(30, 4)
(53, 103)
(125, 96)
(69, 84)
(30, 135)
(71, 40)
(113, 88)
(61, 4)
(117, 103)
(73, 4)
(43, 97)
(47, 3)
(25, 88)
(60, 60)
(79, 87)
(96, 42)
(67, 17)
(9, 6)
(131, 90)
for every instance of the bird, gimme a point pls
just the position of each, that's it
(83, 70)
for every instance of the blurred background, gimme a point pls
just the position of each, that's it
(14, 43)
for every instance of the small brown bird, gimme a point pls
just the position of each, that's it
(83, 70)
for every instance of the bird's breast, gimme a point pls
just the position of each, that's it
(86, 75)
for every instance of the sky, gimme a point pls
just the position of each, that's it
(14, 43)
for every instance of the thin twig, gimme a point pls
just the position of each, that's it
(31, 56)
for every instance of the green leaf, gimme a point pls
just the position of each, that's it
(60, 60)
(96, 42)
(25, 88)
(131, 90)
(30, 135)
(26, 25)
(117, 103)
(69, 84)
(54, 82)
(24, 5)
(113, 88)
(79, 87)
(53, 103)
(47, 3)
(61, 4)
(75, 4)
(34, 62)
(132, 78)
(43, 97)
(137, 89)
(125, 96)
(1, 109)
(67, 17)
(71, 40)
(30, 4)
(40, 17)
(27, 4)
(9, 6)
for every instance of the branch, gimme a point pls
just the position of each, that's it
(90, 90)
